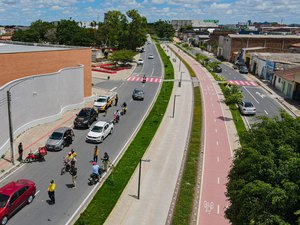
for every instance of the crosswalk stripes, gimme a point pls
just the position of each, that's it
(243, 83)
(148, 79)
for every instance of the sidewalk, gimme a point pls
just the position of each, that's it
(159, 176)
(37, 136)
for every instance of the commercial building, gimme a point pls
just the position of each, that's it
(230, 45)
(195, 24)
(43, 82)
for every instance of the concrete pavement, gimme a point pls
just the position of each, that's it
(166, 153)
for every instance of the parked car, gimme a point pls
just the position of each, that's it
(138, 94)
(13, 196)
(60, 138)
(218, 69)
(150, 57)
(243, 69)
(100, 131)
(140, 61)
(85, 117)
(247, 108)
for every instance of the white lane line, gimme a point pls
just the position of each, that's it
(216, 130)
(218, 209)
(251, 95)
(215, 120)
(218, 180)
(218, 159)
(37, 193)
(131, 100)
(213, 111)
(113, 89)
(217, 143)
(266, 112)
(247, 122)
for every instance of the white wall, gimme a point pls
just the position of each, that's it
(39, 99)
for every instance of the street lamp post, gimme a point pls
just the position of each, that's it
(10, 124)
(174, 105)
(140, 174)
(179, 84)
(179, 64)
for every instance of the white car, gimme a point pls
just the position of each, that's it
(140, 62)
(150, 57)
(100, 131)
(247, 108)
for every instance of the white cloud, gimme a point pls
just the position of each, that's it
(56, 7)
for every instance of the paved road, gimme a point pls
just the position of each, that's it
(68, 200)
(217, 151)
(265, 105)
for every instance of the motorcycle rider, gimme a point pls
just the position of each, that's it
(144, 78)
(116, 116)
(95, 171)
(124, 107)
(73, 158)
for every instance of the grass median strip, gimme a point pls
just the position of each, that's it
(105, 199)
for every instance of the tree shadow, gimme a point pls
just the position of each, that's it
(224, 118)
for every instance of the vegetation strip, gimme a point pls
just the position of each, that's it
(184, 204)
(107, 196)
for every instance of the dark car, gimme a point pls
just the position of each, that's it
(138, 94)
(60, 138)
(13, 196)
(218, 69)
(243, 69)
(85, 117)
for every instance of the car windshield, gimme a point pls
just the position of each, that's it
(56, 136)
(83, 113)
(101, 100)
(97, 129)
(140, 60)
(248, 104)
(3, 200)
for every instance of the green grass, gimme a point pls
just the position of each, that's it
(184, 204)
(105, 199)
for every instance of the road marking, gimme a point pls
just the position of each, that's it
(218, 209)
(218, 180)
(37, 193)
(113, 89)
(218, 159)
(217, 143)
(131, 100)
(251, 95)
(247, 122)
(266, 112)
(215, 120)
(208, 206)
(216, 130)
(213, 111)
(261, 95)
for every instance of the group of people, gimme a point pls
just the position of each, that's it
(70, 159)
(118, 113)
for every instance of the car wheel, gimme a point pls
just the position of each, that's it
(27, 160)
(61, 147)
(4, 220)
(30, 199)
(88, 125)
(111, 131)
(101, 140)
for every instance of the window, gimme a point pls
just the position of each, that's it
(279, 80)
(22, 190)
(13, 198)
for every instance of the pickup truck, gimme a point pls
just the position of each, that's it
(100, 131)
(104, 101)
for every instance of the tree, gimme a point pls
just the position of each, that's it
(123, 56)
(233, 94)
(263, 185)
(50, 36)
(41, 27)
(66, 31)
(163, 29)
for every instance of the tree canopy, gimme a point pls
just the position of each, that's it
(123, 56)
(264, 180)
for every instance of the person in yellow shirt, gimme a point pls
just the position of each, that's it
(51, 192)
(96, 153)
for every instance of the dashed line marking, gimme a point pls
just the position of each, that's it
(216, 130)
(218, 180)
(217, 143)
(266, 112)
(218, 209)
(218, 159)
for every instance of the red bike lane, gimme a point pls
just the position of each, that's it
(217, 152)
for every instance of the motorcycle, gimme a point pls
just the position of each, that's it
(39, 156)
(94, 179)
(66, 168)
(123, 110)
(144, 80)
(116, 119)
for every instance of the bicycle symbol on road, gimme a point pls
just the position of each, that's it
(208, 206)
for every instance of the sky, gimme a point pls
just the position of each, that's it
(23, 12)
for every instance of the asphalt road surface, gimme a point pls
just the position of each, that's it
(265, 105)
(68, 200)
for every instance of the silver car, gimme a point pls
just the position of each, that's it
(60, 138)
(138, 94)
(247, 108)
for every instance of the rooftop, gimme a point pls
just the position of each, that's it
(288, 74)
(264, 36)
(30, 47)
(280, 57)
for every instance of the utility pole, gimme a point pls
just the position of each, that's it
(11, 135)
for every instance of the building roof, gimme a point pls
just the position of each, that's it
(17, 48)
(288, 74)
(279, 57)
(201, 23)
(254, 48)
(264, 36)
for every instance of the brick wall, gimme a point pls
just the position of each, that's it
(18, 65)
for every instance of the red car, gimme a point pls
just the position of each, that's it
(13, 196)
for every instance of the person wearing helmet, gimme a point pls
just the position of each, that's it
(95, 170)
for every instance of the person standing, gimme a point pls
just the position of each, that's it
(73, 173)
(116, 100)
(51, 192)
(20, 150)
(105, 161)
(96, 153)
